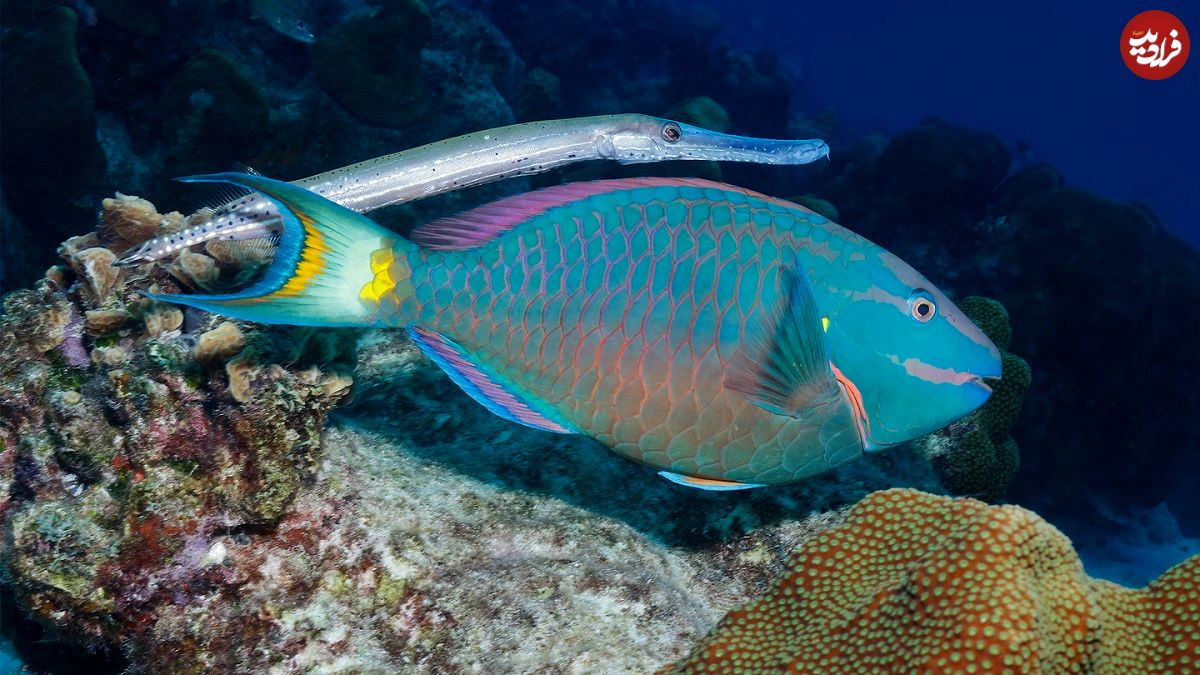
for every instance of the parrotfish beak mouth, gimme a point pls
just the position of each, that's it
(982, 384)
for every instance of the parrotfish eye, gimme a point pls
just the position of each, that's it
(671, 132)
(921, 306)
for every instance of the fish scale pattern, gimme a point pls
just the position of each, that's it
(623, 310)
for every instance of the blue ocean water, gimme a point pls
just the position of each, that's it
(1098, 289)
(10, 663)
(1047, 76)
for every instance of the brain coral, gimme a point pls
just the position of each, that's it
(914, 582)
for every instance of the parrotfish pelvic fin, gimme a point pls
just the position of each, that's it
(489, 389)
(320, 269)
(710, 484)
(784, 367)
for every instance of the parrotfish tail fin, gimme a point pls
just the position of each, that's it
(784, 367)
(333, 267)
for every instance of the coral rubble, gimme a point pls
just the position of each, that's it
(913, 582)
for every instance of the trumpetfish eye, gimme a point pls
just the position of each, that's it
(671, 132)
(921, 306)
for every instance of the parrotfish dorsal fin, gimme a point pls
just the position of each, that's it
(480, 225)
(711, 484)
(488, 388)
(245, 168)
(783, 367)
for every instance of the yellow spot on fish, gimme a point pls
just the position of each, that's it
(381, 262)
(825, 323)
(381, 259)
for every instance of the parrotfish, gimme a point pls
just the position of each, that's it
(727, 338)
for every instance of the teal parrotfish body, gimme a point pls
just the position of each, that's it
(727, 338)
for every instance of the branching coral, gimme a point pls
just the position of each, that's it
(977, 456)
(914, 582)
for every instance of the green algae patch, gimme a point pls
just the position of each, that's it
(58, 547)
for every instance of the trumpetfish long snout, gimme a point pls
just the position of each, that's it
(483, 157)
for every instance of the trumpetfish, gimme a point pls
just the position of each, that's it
(482, 157)
(726, 338)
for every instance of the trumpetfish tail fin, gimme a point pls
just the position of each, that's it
(331, 268)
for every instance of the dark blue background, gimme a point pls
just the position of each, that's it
(1046, 74)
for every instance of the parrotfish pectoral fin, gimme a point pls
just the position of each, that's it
(784, 367)
(491, 390)
(320, 267)
(710, 484)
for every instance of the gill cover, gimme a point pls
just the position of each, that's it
(907, 358)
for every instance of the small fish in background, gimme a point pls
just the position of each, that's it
(286, 17)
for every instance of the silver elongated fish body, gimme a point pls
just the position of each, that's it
(487, 156)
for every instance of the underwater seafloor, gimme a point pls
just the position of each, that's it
(184, 493)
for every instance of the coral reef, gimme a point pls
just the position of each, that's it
(164, 482)
(977, 456)
(49, 157)
(540, 96)
(593, 66)
(212, 111)
(1156, 629)
(700, 111)
(939, 173)
(916, 582)
(1114, 366)
(384, 53)
(121, 441)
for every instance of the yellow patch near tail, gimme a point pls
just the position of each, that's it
(381, 263)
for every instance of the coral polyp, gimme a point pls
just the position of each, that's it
(914, 582)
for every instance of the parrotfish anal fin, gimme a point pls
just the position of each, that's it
(483, 224)
(783, 368)
(486, 387)
(710, 484)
